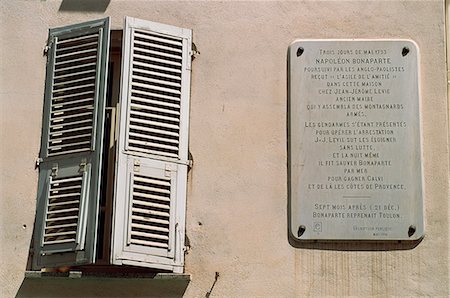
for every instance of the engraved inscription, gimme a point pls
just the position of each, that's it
(357, 122)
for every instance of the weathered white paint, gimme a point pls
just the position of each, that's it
(237, 188)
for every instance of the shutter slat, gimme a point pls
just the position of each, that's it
(88, 58)
(73, 74)
(69, 68)
(63, 211)
(149, 212)
(70, 109)
(59, 196)
(61, 125)
(156, 81)
(165, 183)
(76, 47)
(64, 203)
(74, 88)
(58, 241)
(156, 96)
(152, 38)
(156, 146)
(68, 151)
(172, 93)
(144, 72)
(59, 132)
(134, 135)
(62, 188)
(154, 189)
(167, 63)
(149, 235)
(150, 150)
(159, 53)
(150, 228)
(165, 106)
(157, 67)
(155, 109)
(58, 140)
(149, 220)
(63, 218)
(152, 123)
(152, 130)
(61, 226)
(78, 95)
(140, 202)
(149, 243)
(88, 78)
(77, 53)
(150, 196)
(74, 39)
(63, 180)
(159, 46)
(58, 118)
(54, 234)
(136, 112)
(59, 147)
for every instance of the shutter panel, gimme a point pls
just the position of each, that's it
(151, 172)
(149, 214)
(71, 146)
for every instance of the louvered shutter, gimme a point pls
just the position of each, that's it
(71, 146)
(151, 172)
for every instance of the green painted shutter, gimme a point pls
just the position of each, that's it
(152, 158)
(71, 146)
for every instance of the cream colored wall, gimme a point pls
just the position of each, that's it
(237, 193)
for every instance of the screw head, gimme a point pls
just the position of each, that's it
(300, 51)
(405, 51)
(411, 230)
(301, 230)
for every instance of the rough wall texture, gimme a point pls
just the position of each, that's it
(237, 193)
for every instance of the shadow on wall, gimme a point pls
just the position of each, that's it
(84, 5)
(101, 286)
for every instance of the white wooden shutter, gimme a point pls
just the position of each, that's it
(71, 146)
(151, 170)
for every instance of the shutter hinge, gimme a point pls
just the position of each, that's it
(187, 244)
(48, 46)
(167, 170)
(190, 161)
(137, 165)
(38, 162)
(54, 170)
(194, 52)
(83, 165)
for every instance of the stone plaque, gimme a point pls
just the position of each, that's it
(355, 169)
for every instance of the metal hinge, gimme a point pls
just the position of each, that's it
(54, 170)
(194, 52)
(137, 165)
(190, 161)
(167, 170)
(83, 165)
(47, 47)
(38, 162)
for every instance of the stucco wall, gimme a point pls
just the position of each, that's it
(237, 192)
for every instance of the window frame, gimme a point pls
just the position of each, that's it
(177, 168)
